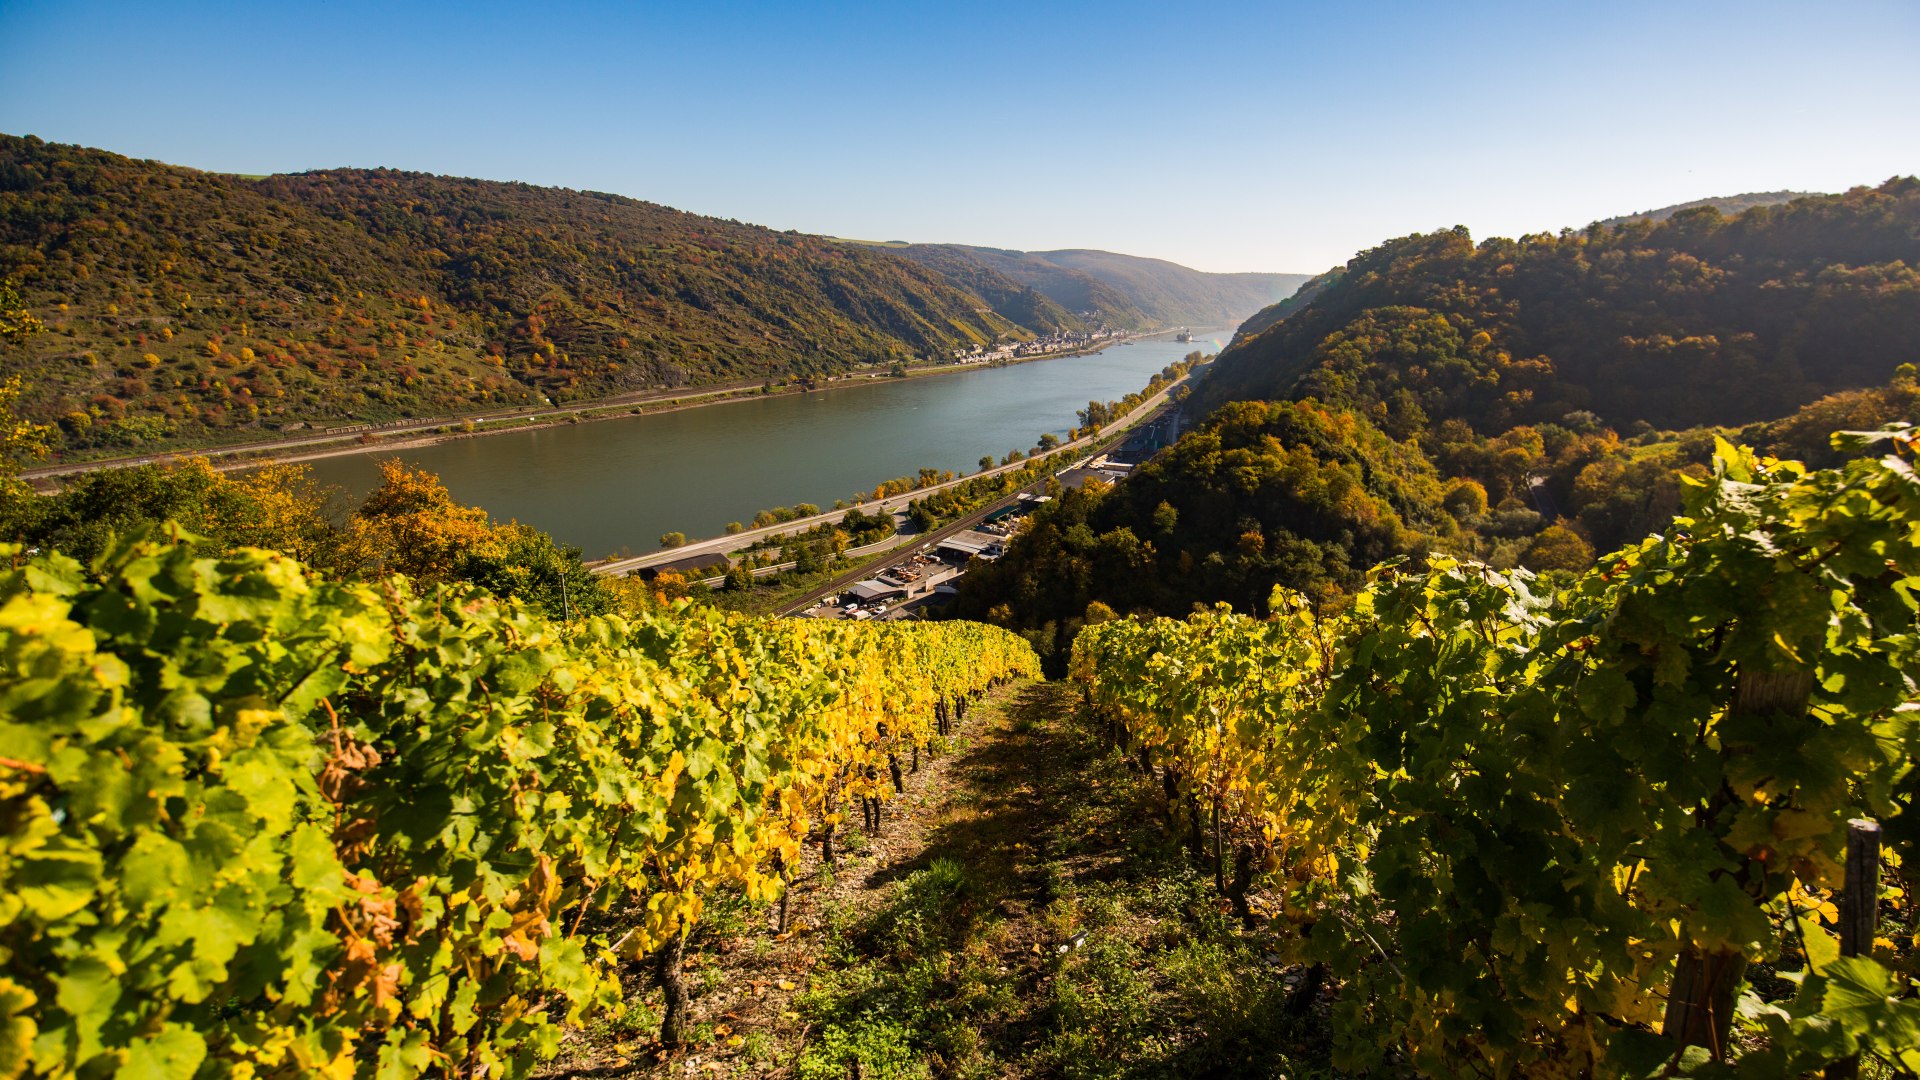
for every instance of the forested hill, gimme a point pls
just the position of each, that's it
(1697, 319)
(1726, 204)
(1120, 290)
(184, 305)
(1520, 402)
(1177, 294)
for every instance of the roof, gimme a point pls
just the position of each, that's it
(972, 542)
(873, 589)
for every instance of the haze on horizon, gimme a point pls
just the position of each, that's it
(1243, 136)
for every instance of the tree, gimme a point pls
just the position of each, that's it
(1466, 499)
(412, 526)
(1557, 548)
(1048, 441)
(19, 439)
(986, 462)
(1165, 518)
(287, 510)
(672, 539)
(806, 558)
(16, 322)
(922, 518)
(528, 564)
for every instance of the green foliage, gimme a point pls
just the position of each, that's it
(205, 307)
(872, 1045)
(410, 525)
(1502, 819)
(1290, 493)
(1078, 289)
(1696, 319)
(260, 822)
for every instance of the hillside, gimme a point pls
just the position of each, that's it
(1526, 402)
(186, 307)
(1726, 204)
(1018, 300)
(1175, 294)
(1089, 299)
(1697, 319)
(1122, 290)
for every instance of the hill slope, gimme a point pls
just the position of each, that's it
(186, 306)
(1697, 319)
(1726, 204)
(1088, 298)
(1495, 401)
(1173, 293)
(1123, 290)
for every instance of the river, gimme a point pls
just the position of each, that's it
(616, 486)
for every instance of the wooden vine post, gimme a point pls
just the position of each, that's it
(1859, 911)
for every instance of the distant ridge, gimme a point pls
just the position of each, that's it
(1122, 290)
(1729, 205)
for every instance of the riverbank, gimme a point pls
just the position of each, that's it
(617, 489)
(734, 542)
(419, 434)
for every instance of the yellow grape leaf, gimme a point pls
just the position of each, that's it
(1823, 945)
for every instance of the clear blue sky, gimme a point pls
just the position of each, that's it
(1256, 136)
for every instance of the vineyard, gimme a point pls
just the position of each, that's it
(262, 823)
(1595, 831)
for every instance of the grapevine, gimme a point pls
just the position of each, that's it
(261, 823)
(1547, 833)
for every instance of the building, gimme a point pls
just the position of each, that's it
(972, 543)
(872, 589)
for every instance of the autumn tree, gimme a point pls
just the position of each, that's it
(1557, 547)
(411, 525)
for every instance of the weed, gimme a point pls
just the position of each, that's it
(870, 1047)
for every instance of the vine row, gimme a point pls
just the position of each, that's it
(254, 822)
(1590, 831)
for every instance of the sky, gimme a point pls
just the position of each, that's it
(1275, 136)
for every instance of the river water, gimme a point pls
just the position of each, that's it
(615, 486)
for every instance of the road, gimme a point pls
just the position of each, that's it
(344, 436)
(968, 521)
(396, 427)
(898, 539)
(727, 545)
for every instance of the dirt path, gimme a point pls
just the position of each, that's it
(1022, 912)
(743, 979)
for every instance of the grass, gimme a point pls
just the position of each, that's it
(1050, 928)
